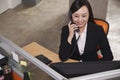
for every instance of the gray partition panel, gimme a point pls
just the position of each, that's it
(37, 68)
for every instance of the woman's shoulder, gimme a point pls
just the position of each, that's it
(65, 27)
(95, 26)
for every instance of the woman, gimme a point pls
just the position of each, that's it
(80, 38)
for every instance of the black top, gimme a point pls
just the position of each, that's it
(95, 36)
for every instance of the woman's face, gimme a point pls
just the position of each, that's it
(81, 16)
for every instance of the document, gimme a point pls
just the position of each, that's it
(1, 56)
(15, 57)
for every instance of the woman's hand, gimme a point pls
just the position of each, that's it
(72, 28)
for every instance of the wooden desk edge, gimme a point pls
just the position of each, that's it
(31, 45)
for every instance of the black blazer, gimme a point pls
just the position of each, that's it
(95, 37)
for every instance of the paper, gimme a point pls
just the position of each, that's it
(0, 68)
(1, 56)
(24, 63)
(15, 57)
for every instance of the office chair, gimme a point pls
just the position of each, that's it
(105, 25)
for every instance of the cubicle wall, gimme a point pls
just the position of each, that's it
(39, 70)
(8, 4)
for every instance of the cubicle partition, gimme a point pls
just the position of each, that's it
(22, 62)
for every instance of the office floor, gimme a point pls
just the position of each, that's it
(40, 23)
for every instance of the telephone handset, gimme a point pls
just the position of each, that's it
(77, 30)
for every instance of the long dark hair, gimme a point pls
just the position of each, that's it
(77, 4)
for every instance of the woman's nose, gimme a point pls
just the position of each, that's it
(80, 19)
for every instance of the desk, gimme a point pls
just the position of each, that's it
(36, 49)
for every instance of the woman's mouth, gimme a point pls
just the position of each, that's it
(79, 24)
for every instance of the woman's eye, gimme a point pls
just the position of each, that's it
(76, 16)
(84, 16)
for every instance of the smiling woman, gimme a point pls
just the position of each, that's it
(91, 35)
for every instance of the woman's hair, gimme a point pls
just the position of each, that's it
(77, 4)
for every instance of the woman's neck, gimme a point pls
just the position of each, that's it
(81, 30)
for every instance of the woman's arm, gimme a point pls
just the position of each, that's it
(65, 46)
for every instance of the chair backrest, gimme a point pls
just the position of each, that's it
(105, 25)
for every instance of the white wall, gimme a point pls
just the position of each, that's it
(14, 3)
(4, 5)
(8, 4)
